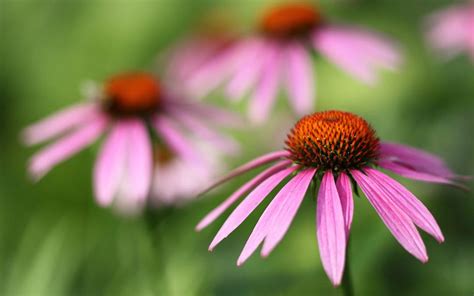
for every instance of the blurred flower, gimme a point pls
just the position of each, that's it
(136, 113)
(280, 54)
(176, 181)
(451, 30)
(339, 150)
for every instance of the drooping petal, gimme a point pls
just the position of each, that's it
(299, 78)
(415, 175)
(357, 52)
(214, 214)
(284, 205)
(248, 205)
(398, 222)
(110, 165)
(344, 189)
(58, 123)
(419, 160)
(255, 163)
(175, 140)
(199, 128)
(267, 88)
(248, 73)
(139, 162)
(406, 201)
(331, 229)
(67, 146)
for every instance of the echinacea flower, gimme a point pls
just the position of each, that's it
(451, 30)
(334, 149)
(280, 54)
(135, 113)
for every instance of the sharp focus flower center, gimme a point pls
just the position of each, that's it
(132, 94)
(333, 140)
(290, 20)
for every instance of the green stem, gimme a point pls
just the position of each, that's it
(346, 284)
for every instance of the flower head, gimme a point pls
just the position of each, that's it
(279, 54)
(137, 115)
(450, 30)
(332, 148)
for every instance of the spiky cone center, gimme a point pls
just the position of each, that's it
(290, 20)
(333, 140)
(132, 94)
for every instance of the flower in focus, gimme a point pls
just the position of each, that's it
(136, 115)
(451, 30)
(337, 150)
(280, 54)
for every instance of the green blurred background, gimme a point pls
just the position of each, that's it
(54, 240)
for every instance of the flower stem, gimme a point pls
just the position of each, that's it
(346, 284)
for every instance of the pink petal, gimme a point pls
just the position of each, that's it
(64, 148)
(300, 79)
(344, 189)
(167, 130)
(356, 51)
(415, 175)
(408, 203)
(214, 214)
(255, 163)
(248, 72)
(291, 198)
(110, 165)
(267, 88)
(197, 127)
(277, 217)
(139, 162)
(418, 159)
(249, 204)
(331, 229)
(58, 123)
(398, 222)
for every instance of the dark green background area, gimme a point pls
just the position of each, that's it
(54, 240)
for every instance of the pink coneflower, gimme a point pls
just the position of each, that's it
(281, 54)
(136, 113)
(176, 181)
(333, 148)
(451, 30)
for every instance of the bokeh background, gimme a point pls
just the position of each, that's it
(54, 240)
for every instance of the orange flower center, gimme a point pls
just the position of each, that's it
(132, 94)
(290, 20)
(333, 140)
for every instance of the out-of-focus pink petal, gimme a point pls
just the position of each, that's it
(58, 123)
(110, 165)
(331, 229)
(139, 162)
(419, 160)
(408, 203)
(357, 52)
(214, 214)
(167, 130)
(196, 126)
(267, 88)
(248, 72)
(299, 78)
(284, 205)
(398, 222)
(218, 69)
(344, 189)
(249, 204)
(259, 161)
(67, 146)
